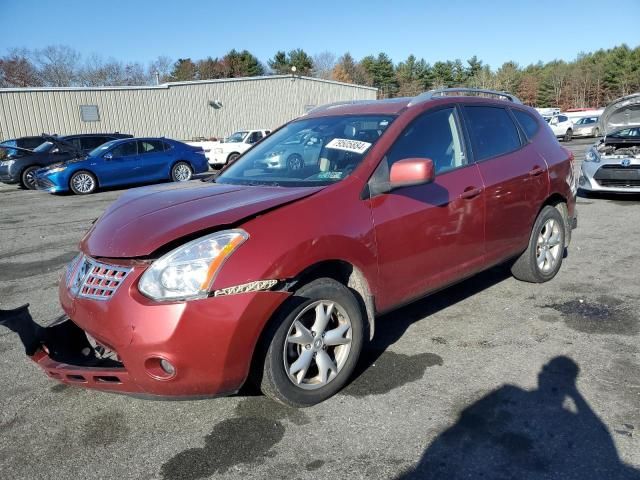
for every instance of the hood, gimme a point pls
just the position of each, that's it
(623, 112)
(144, 219)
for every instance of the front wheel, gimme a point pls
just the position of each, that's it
(312, 347)
(232, 157)
(28, 178)
(596, 132)
(83, 183)
(295, 163)
(568, 135)
(542, 259)
(181, 172)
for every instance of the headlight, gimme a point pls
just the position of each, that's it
(7, 163)
(188, 272)
(217, 150)
(61, 168)
(276, 154)
(592, 156)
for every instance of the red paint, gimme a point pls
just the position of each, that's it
(406, 243)
(411, 171)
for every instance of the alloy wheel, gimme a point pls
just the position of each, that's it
(295, 163)
(182, 172)
(83, 183)
(317, 344)
(548, 247)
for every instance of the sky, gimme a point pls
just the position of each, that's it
(497, 31)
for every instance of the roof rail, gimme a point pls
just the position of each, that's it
(442, 92)
(328, 106)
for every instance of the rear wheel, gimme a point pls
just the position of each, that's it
(596, 132)
(312, 347)
(28, 178)
(568, 135)
(542, 259)
(181, 172)
(83, 183)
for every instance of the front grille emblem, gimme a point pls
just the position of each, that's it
(626, 162)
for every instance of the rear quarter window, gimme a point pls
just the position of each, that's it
(492, 131)
(528, 123)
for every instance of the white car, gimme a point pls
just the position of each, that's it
(235, 145)
(561, 125)
(207, 146)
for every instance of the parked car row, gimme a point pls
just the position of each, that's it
(83, 163)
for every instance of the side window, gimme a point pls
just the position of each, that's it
(562, 118)
(492, 131)
(150, 146)
(124, 150)
(89, 143)
(75, 142)
(167, 146)
(267, 132)
(527, 122)
(254, 137)
(433, 135)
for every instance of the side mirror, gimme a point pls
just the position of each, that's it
(108, 156)
(411, 171)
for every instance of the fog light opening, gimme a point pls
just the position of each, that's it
(160, 368)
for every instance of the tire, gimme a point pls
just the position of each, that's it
(547, 241)
(232, 157)
(181, 172)
(596, 132)
(295, 163)
(83, 183)
(28, 179)
(568, 135)
(274, 370)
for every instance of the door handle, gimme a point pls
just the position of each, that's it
(470, 192)
(536, 171)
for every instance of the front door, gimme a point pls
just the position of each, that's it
(429, 235)
(120, 165)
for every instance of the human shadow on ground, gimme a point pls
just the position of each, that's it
(511, 433)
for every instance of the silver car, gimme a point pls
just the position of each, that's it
(586, 127)
(613, 164)
(294, 153)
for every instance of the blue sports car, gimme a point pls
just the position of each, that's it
(120, 162)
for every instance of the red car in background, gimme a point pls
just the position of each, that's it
(187, 290)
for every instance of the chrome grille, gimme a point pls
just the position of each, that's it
(99, 281)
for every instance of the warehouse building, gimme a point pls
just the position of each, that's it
(180, 110)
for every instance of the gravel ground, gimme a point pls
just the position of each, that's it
(476, 381)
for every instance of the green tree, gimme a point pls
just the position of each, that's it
(282, 62)
(184, 70)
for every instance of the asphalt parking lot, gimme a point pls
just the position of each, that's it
(453, 386)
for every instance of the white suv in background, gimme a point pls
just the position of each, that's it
(561, 125)
(235, 145)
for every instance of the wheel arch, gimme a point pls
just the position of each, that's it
(559, 202)
(232, 153)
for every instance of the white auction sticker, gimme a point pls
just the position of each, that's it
(355, 146)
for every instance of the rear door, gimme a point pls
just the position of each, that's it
(120, 165)
(154, 162)
(429, 235)
(514, 175)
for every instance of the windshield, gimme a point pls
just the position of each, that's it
(587, 120)
(96, 152)
(308, 152)
(43, 147)
(236, 137)
(626, 133)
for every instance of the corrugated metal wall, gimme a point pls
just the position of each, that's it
(178, 110)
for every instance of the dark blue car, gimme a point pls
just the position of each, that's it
(121, 162)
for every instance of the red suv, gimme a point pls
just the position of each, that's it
(277, 269)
